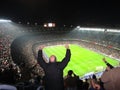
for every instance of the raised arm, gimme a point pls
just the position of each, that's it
(108, 64)
(66, 59)
(40, 59)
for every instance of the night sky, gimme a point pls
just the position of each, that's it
(62, 11)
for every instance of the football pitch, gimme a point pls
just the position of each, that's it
(82, 60)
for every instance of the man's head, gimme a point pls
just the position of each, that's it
(52, 59)
(94, 76)
(70, 72)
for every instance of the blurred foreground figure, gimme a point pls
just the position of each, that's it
(111, 79)
(54, 70)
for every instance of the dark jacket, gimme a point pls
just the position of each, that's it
(54, 71)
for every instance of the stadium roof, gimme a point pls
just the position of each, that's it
(63, 11)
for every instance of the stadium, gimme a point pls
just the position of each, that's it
(59, 45)
(20, 44)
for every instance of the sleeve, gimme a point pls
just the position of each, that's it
(40, 59)
(66, 59)
(109, 65)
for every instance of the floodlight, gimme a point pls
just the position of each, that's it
(53, 24)
(78, 26)
(45, 25)
(113, 30)
(19, 22)
(4, 20)
(64, 25)
(71, 26)
(50, 24)
(36, 24)
(91, 29)
(28, 23)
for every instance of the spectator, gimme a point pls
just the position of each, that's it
(95, 85)
(85, 85)
(71, 81)
(54, 70)
(101, 84)
(109, 66)
(111, 79)
(79, 83)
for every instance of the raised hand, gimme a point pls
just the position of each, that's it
(104, 59)
(67, 46)
(41, 47)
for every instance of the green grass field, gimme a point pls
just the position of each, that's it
(82, 61)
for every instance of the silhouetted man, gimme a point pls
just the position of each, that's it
(71, 81)
(54, 70)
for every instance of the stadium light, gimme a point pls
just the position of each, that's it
(45, 25)
(4, 20)
(91, 29)
(113, 30)
(78, 27)
(50, 24)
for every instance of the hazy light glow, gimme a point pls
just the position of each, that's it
(78, 26)
(4, 20)
(45, 25)
(91, 29)
(113, 30)
(50, 24)
(98, 29)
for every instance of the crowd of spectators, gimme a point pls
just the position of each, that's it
(10, 72)
(101, 48)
